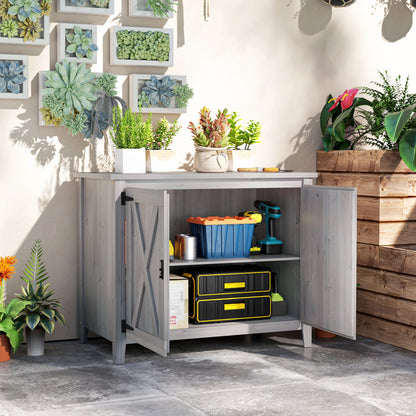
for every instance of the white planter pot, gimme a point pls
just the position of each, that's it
(35, 341)
(241, 159)
(160, 160)
(130, 160)
(208, 159)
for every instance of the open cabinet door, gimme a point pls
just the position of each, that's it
(147, 274)
(328, 258)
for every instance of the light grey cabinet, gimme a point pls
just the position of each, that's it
(126, 222)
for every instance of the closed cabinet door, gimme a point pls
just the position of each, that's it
(147, 274)
(328, 258)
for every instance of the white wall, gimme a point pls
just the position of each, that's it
(274, 61)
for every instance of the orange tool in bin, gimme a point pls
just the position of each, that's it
(223, 237)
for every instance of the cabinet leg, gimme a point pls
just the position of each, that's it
(119, 351)
(307, 335)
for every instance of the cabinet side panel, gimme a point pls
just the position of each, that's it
(99, 257)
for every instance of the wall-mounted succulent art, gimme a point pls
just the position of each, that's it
(77, 43)
(159, 94)
(141, 46)
(74, 97)
(98, 7)
(25, 21)
(152, 8)
(14, 82)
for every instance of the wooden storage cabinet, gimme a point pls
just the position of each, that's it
(126, 221)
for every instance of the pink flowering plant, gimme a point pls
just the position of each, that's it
(337, 120)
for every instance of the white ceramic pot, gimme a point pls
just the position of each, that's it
(160, 160)
(208, 159)
(130, 160)
(241, 159)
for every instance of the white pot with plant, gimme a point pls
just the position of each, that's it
(159, 158)
(210, 138)
(130, 134)
(240, 139)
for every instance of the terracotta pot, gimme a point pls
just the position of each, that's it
(320, 333)
(5, 348)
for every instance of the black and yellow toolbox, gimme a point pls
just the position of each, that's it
(228, 293)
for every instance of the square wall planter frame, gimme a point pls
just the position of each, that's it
(136, 83)
(41, 41)
(64, 6)
(137, 8)
(130, 62)
(63, 28)
(25, 86)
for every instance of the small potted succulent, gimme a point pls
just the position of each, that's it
(41, 310)
(130, 135)
(159, 158)
(210, 138)
(240, 140)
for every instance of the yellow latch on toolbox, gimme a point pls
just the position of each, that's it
(234, 306)
(235, 285)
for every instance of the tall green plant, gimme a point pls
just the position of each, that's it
(129, 130)
(42, 310)
(161, 8)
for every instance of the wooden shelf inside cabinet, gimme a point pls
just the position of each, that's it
(261, 258)
(222, 329)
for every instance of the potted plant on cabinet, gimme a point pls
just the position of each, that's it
(130, 134)
(159, 158)
(10, 336)
(210, 138)
(41, 310)
(241, 139)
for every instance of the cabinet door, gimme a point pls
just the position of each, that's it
(147, 274)
(328, 258)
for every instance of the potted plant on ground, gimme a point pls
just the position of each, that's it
(210, 138)
(41, 310)
(159, 158)
(10, 336)
(130, 134)
(240, 140)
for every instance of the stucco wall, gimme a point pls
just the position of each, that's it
(273, 61)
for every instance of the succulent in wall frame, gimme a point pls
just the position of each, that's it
(339, 3)
(161, 8)
(100, 3)
(80, 43)
(9, 28)
(25, 9)
(11, 76)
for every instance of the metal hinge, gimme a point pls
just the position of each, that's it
(125, 198)
(162, 270)
(125, 326)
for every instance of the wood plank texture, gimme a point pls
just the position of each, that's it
(372, 184)
(386, 209)
(400, 335)
(388, 283)
(386, 161)
(386, 233)
(387, 307)
(400, 259)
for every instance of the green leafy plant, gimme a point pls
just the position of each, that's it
(240, 136)
(10, 311)
(41, 309)
(211, 132)
(9, 28)
(161, 8)
(80, 43)
(183, 93)
(25, 9)
(163, 134)
(100, 3)
(129, 130)
(147, 46)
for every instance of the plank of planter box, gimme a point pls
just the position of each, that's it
(372, 184)
(394, 284)
(400, 259)
(361, 161)
(392, 333)
(386, 209)
(386, 233)
(386, 307)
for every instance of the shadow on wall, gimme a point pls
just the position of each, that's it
(55, 229)
(314, 16)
